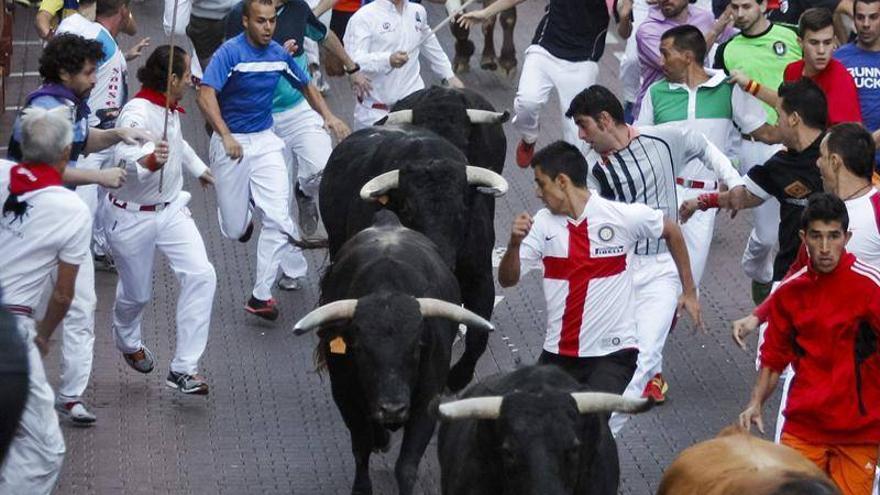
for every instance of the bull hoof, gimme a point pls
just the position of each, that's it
(489, 63)
(362, 490)
(381, 439)
(508, 65)
(458, 378)
(461, 67)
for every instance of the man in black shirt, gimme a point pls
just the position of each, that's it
(564, 54)
(790, 175)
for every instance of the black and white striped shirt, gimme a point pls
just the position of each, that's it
(645, 171)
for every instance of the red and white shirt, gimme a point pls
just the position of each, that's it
(587, 287)
(864, 223)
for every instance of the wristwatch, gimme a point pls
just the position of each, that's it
(351, 71)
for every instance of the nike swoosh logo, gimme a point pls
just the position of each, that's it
(549, 237)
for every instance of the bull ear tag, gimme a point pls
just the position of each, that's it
(383, 200)
(337, 346)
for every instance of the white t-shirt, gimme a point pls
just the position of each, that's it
(864, 223)
(111, 89)
(587, 287)
(56, 226)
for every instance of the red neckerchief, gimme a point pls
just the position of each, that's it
(633, 133)
(158, 98)
(27, 177)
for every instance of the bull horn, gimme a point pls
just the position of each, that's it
(490, 182)
(380, 185)
(475, 408)
(436, 308)
(591, 402)
(487, 117)
(397, 117)
(335, 311)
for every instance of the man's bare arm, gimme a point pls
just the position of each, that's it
(59, 303)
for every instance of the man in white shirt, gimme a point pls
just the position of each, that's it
(639, 165)
(44, 229)
(148, 213)
(704, 101)
(385, 39)
(582, 241)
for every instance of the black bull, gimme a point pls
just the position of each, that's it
(431, 195)
(394, 304)
(531, 432)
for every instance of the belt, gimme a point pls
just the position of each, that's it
(376, 105)
(19, 310)
(127, 205)
(696, 184)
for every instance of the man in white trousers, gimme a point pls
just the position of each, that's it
(761, 51)
(68, 65)
(564, 54)
(702, 100)
(620, 158)
(308, 144)
(44, 228)
(112, 18)
(385, 39)
(246, 155)
(149, 213)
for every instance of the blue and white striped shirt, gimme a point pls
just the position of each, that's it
(245, 78)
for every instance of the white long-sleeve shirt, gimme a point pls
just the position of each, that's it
(141, 185)
(376, 31)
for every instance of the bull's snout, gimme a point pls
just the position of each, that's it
(392, 412)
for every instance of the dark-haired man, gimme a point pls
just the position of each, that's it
(68, 66)
(307, 142)
(246, 156)
(112, 18)
(702, 100)
(846, 163)
(862, 59)
(761, 51)
(824, 322)
(635, 165)
(790, 175)
(582, 240)
(143, 217)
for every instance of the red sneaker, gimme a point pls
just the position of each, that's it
(524, 153)
(268, 310)
(656, 389)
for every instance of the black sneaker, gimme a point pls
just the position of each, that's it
(187, 384)
(308, 211)
(268, 310)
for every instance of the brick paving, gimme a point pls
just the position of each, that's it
(269, 425)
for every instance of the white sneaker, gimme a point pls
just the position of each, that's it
(291, 283)
(75, 411)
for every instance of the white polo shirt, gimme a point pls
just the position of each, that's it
(57, 226)
(587, 287)
(718, 109)
(376, 31)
